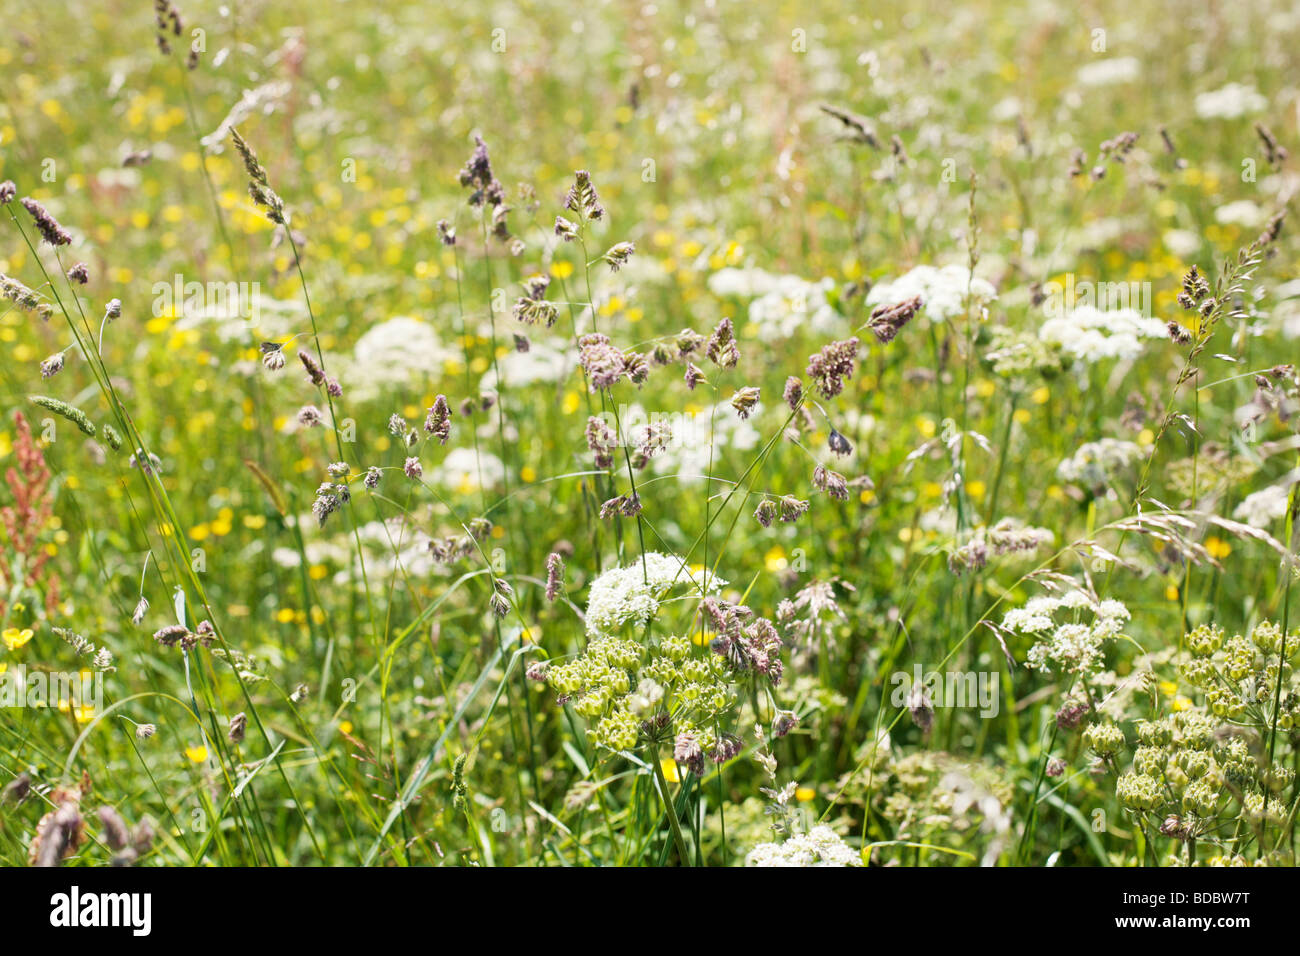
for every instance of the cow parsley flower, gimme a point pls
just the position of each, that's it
(1071, 631)
(463, 469)
(1229, 102)
(395, 353)
(1243, 212)
(821, 846)
(1113, 70)
(700, 440)
(633, 594)
(540, 363)
(1087, 334)
(1260, 509)
(943, 290)
(782, 304)
(1097, 462)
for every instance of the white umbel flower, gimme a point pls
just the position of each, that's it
(463, 469)
(1115, 69)
(1230, 102)
(1088, 334)
(1260, 509)
(1097, 462)
(699, 442)
(540, 363)
(1076, 646)
(633, 594)
(782, 304)
(822, 846)
(943, 290)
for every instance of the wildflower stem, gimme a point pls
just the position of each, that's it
(669, 807)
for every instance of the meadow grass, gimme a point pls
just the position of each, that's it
(548, 435)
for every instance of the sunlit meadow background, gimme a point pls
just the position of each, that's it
(702, 129)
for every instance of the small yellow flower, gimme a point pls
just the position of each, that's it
(804, 794)
(15, 638)
(1217, 547)
(669, 767)
(197, 754)
(345, 726)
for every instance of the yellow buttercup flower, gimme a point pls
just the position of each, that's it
(197, 754)
(1217, 547)
(15, 638)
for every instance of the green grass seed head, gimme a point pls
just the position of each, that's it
(63, 409)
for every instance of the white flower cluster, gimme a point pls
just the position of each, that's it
(1230, 102)
(229, 315)
(742, 283)
(633, 594)
(942, 289)
(540, 363)
(1072, 647)
(1243, 212)
(1115, 69)
(820, 847)
(463, 469)
(400, 351)
(783, 304)
(697, 449)
(1183, 243)
(1088, 334)
(1096, 462)
(378, 538)
(1260, 509)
